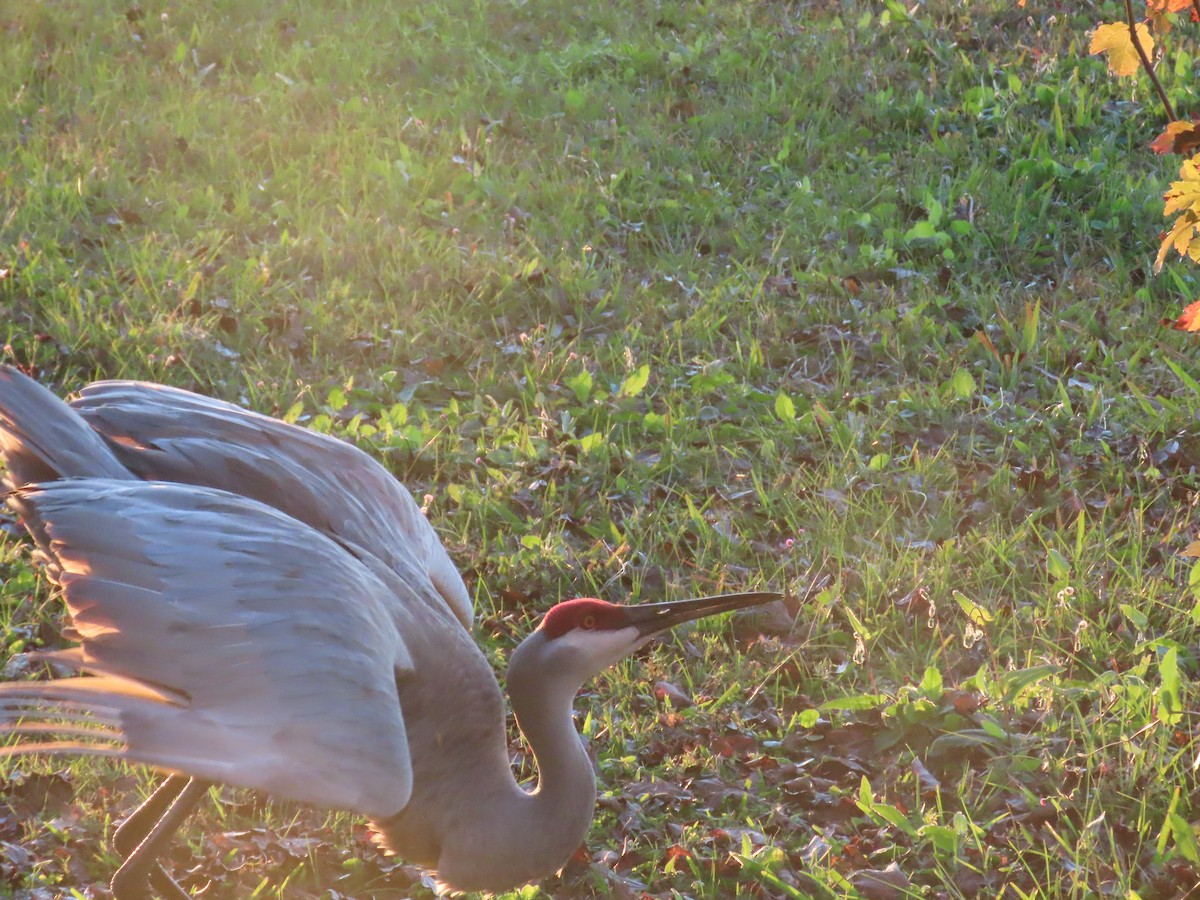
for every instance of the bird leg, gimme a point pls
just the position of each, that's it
(134, 829)
(166, 808)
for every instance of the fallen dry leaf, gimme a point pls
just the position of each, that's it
(881, 884)
(664, 690)
(928, 781)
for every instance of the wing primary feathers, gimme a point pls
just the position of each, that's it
(218, 647)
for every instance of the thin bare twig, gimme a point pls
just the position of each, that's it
(1146, 65)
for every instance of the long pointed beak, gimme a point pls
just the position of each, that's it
(651, 618)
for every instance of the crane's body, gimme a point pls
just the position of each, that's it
(267, 607)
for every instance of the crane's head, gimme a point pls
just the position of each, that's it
(580, 638)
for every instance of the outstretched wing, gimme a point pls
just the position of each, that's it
(166, 434)
(226, 641)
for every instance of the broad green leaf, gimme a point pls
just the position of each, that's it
(573, 100)
(1013, 684)
(992, 727)
(926, 232)
(1136, 617)
(1164, 833)
(710, 379)
(931, 684)
(635, 383)
(879, 462)
(857, 624)
(943, 838)
(1057, 565)
(1194, 579)
(785, 408)
(581, 385)
(655, 423)
(933, 208)
(898, 9)
(893, 817)
(1169, 705)
(1185, 838)
(962, 384)
(592, 442)
(976, 613)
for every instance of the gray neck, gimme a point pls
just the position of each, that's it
(515, 836)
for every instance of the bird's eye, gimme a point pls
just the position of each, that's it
(588, 622)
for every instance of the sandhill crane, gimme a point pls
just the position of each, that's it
(260, 605)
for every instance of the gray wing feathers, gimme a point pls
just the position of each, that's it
(230, 641)
(41, 440)
(165, 434)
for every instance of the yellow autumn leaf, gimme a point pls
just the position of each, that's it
(1178, 238)
(1182, 198)
(1192, 549)
(1184, 193)
(1113, 39)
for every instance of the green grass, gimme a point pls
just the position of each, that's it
(659, 300)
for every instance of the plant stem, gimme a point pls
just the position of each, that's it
(1137, 45)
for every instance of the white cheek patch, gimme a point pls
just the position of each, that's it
(597, 650)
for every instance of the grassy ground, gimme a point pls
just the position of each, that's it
(656, 300)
